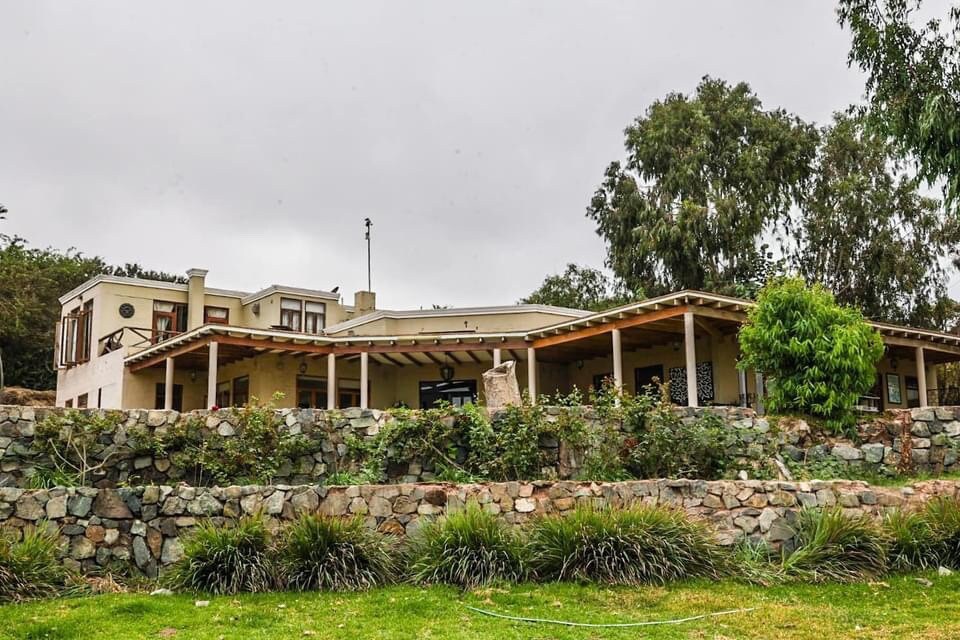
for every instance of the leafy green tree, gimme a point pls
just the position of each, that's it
(705, 176)
(819, 356)
(31, 282)
(869, 236)
(913, 81)
(578, 288)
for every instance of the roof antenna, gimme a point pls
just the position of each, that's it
(368, 224)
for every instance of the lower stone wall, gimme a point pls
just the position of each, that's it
(143, 528)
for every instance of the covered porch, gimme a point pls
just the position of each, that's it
(688, 340)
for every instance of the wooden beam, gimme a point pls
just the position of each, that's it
(407, 357)
(392, 361)
(422, 348)
(912, 342)
(473, 356)
(513, 355)
(170, 353)
(706, 326)
(719, 314)
(432, 358)
(607, 327)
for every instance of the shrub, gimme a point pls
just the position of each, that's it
(468, 549)
(914, 543)
(638, 545)
(756, 563)
(943, 517)
(819, 356)
(222, 560)
(835, 547)
(320, 552)
(71, 441)
(29, 568)
(662, 444)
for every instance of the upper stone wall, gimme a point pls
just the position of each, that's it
(918, 439)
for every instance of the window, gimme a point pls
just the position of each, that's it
(601, 378)
(314, 317)
(82, 401)
(311, 392)
(643, 379)
(216, 315)
(291, 312)
(348, 393)
(456, 392)
(223, 394)
(912, 385)
(160, 396)
(241, 391)
(68, 404)
(75, 335)
(169, 319)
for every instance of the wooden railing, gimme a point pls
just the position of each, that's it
(138, 338)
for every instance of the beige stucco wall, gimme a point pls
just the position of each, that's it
(270, 311)
(468, 322)
(101, 379)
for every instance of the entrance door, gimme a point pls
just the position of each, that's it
(912, 386)
(643, 378)
(456, 392)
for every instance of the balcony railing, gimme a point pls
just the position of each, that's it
(132, 338)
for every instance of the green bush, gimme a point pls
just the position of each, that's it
(29, 567)
(320, 552)
(818, 356)
(914, 543)
(226, 560)
(832, 546)
(637, 545)
(468, 548)
(943, 517)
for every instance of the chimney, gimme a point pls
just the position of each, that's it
(364, 302)
(196, 285)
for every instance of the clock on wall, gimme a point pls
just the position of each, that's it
(126, 310)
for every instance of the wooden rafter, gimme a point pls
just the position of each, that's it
(622, 323)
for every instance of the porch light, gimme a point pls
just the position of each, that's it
(446, 371)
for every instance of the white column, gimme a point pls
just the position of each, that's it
(922, 377)
(532, 374)
(758, 379)
(496, 357)
(331, 381)
(212, 375)
(364, 372)
(168, 386)
(617, 361)
(690, 348)
(742, 386)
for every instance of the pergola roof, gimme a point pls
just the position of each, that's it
(646, 323)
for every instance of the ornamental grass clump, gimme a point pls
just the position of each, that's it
(914, 545)
(221, 560)
(335, 554)
(29, 567)
(633, 546)
(943, 517)
(468, 549)
(835, 547)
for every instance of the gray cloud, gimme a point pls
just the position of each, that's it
(253, 138)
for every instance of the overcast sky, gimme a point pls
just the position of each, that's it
(253, 138)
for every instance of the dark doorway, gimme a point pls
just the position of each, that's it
(643, 379)
(161, 396)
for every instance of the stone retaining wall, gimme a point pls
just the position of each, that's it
(144, 527)
(933, 433)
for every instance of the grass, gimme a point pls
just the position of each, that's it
(895, 608)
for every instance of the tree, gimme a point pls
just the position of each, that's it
(869, 236)
(31, 282)
(913, 82)
(705, 176)
(819, 356)
(577, 288)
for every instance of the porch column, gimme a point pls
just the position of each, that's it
(617, 361)
(364, 371)
(922, 377)
(331, 381)
(690, 348)
(759, 382)
(496, 357)
(212, 375)
(168, 386)
(532, 374)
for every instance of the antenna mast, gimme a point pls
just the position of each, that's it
(368, 224)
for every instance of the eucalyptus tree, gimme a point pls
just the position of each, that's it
(705, 176)
(869, 235)
(913, 81)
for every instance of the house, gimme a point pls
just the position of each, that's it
(135, 343)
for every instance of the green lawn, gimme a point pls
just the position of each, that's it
(897, 608)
